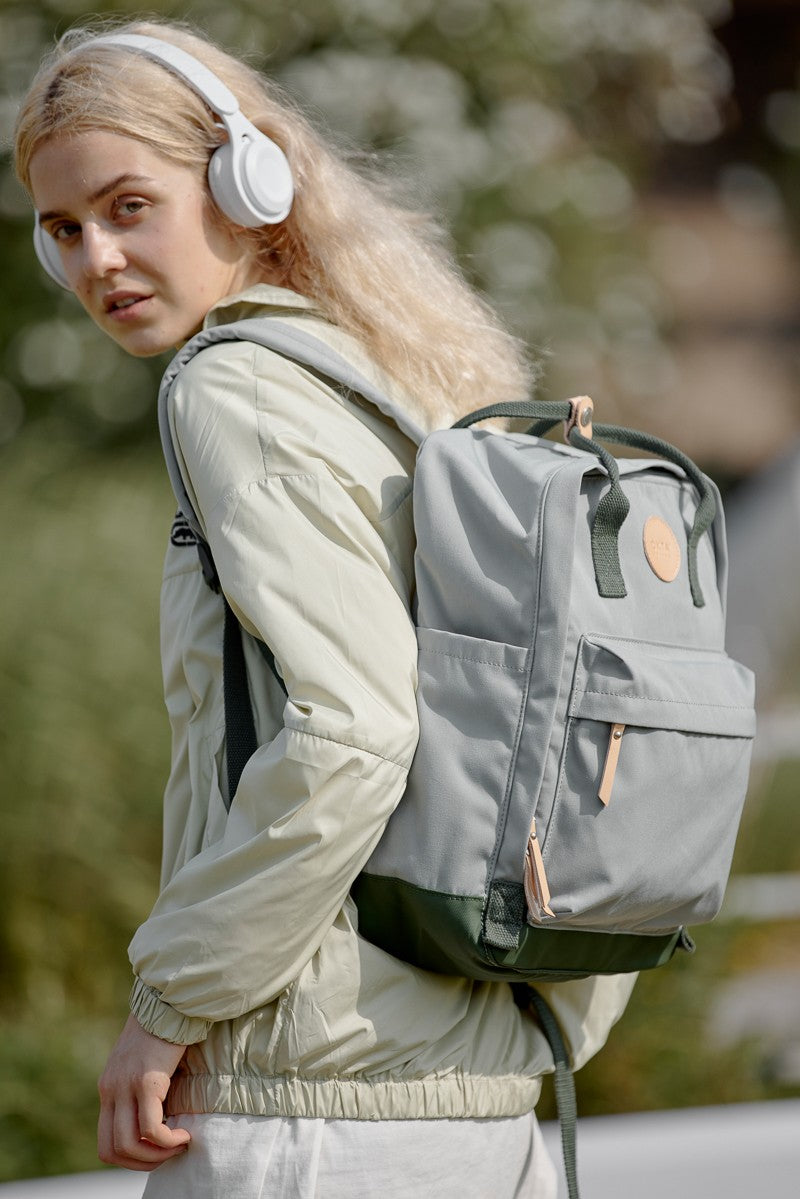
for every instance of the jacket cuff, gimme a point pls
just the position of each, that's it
(163, 1020)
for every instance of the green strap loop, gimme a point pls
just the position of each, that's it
(566, 1103)
(706, 509)
(609, 518)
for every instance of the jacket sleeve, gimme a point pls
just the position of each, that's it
(305, 566)
(586, 1010)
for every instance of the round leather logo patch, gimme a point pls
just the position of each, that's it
(661, 549)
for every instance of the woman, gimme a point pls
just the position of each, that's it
(270, 1050)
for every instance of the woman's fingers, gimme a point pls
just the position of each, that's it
(124, 1139)
(128, 1142)
(134, 1085)
(105, 1132)
(153, 1130)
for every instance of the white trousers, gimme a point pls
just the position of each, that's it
(265, 1157)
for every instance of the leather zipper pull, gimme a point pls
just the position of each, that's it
(612, 758)
(537, 892)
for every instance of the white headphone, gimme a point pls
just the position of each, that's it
(249, 176)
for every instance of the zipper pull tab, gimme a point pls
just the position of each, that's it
(610, 768)
(537, 892)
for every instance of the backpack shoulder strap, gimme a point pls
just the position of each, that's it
(296, 344)
(309, 351)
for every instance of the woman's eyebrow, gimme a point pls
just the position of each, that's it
(125, 178)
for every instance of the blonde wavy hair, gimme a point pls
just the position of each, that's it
(375, 268)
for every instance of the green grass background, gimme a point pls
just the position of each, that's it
(83, 753)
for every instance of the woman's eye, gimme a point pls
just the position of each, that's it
(63, 232)
(129, 207)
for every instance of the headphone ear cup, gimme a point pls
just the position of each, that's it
(267, 178)
(223, 185)
(49, 257)
(250, 179)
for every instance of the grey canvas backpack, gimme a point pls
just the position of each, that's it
(584, 738)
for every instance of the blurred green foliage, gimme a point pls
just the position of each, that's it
(83, 746)
(531, 127)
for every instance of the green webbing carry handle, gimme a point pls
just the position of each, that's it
(614, 506)
(546, 412)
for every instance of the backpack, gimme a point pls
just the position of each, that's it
(584, 738)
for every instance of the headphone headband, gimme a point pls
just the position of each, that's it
(249, 175)
(207, 85)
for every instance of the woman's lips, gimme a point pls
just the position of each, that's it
(125, 308)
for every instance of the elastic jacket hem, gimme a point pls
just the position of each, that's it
(452, 1097)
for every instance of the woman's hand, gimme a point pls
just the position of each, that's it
(133, 1087)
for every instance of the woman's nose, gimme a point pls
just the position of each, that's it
(102, 253)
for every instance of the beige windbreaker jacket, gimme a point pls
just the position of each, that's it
(251, 954)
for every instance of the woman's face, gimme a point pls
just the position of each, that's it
(139, 243)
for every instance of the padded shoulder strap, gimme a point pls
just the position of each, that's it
(292, 343)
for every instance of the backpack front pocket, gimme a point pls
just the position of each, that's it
(650, 789)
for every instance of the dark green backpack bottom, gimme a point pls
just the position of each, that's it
(491, 941)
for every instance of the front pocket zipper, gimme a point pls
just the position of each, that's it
(639, 833)
(537, 889)
(537, 892)
(612, 759)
